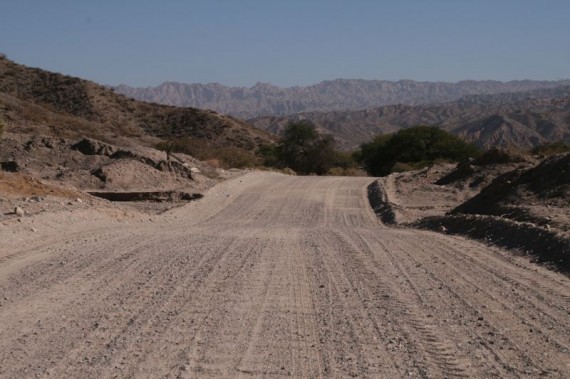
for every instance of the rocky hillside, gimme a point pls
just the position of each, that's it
(41, 102)
(333, 95)
(520, 120)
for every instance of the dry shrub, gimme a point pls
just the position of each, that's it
(223, 157)
(551, 149)
(215, 163)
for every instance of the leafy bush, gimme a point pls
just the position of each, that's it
(412, 148)
(304, 150)
(270, 155)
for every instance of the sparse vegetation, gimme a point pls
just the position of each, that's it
(551, 149)
(411, 149)
(202, 149)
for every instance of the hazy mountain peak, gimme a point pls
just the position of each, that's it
(329, 95)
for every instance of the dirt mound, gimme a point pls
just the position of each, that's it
(435, 191)
(480, 171)
(518, 205)
(499, 156)
(91, 164)
(462, 171)
(540, 194)
(125, 174)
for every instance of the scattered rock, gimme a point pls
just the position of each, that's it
(10, 166)
(18, 211)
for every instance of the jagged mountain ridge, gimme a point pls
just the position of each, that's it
(36, 101)
(520, 120)
(331, 95)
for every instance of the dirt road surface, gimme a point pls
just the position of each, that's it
(272, 276)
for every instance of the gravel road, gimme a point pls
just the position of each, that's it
(271, 276)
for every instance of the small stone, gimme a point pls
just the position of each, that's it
(18, 211)
(79, 200)
(34, 230)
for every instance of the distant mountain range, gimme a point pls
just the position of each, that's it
(520, 119)
(522, 114)
(334, 95)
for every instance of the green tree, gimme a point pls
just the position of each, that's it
(414, 147)
(304, 150)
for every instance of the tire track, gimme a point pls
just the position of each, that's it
(497, 311)
(441, 357)
(272, 276)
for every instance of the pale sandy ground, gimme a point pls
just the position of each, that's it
(269, 276)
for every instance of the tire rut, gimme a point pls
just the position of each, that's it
(274, 276)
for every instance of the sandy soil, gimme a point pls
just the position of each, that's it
(270, 276)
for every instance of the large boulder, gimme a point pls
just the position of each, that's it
(90, 146)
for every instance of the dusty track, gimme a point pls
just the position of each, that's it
(275, 276)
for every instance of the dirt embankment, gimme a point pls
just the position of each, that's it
(40, 173)
(511, 202)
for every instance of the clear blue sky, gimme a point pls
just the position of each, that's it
(289, 42)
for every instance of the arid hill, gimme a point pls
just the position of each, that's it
(520, 120)
(41, 102)
(331, 95)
